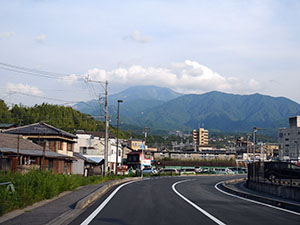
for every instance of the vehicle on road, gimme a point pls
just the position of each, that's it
(188, 171)
(198, 169)
(281, 170)
(148, 170)
(220, 170)
(231, 170)
(170, 171)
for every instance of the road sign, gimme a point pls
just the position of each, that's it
(142, 146)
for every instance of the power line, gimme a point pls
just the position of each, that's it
(37, 73)
(47, 98)
(33, 70)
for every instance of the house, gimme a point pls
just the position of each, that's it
(91, 145)
(135, 144)
(19, 154)
(87, 166)
(5, 126)
(55, 139)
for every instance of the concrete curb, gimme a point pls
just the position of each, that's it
(70, 215)
(275, 202)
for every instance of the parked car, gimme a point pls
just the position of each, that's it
(170, 171)
(231, 170)
(242, 170)
(281, 170)
(188, 171)
(198, 169)
(148, 170)
(220, 171)
(205, 170)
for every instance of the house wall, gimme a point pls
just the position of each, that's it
(78, 167)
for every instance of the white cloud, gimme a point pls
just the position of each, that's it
(70, 79)
(139, 37)
(41, 38)
(23, 88)
(4, 35)
(187, 77)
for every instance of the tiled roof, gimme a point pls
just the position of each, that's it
(9, 144)
(11, 141)
(39, 129)
(6, 125)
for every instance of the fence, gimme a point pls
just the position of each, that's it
(275, 173)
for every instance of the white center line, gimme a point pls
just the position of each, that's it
(194, 205)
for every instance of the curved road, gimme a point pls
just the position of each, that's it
(179, 200)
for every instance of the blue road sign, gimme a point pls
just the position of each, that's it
(142, 146)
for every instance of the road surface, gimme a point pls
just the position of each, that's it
(179, 200)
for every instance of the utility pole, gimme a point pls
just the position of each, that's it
(105, 169)
(106, 129)
(117, 152)
(18, 150)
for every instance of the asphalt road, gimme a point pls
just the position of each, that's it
(180, 200)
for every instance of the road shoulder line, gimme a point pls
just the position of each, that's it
(250, 200)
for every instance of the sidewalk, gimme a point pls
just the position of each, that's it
(46, 211)
(239, 188)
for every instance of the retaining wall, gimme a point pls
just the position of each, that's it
(287, 192)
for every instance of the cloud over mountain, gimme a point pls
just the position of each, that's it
(186, 77)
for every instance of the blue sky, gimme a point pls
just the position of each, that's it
(234, 46)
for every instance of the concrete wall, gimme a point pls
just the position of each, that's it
(292, 193)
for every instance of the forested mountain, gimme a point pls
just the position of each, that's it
(222, 112)
(135, 100)
(217, 111)
(62, 117)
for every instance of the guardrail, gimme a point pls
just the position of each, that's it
(259, 172)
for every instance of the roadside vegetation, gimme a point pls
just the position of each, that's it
(37, 185)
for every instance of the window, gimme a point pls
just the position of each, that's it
(57, 145)
(83, 150)
(69, 147)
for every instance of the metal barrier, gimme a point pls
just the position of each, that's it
(10, 186)
(276, 173)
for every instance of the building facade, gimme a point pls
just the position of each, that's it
(200, 137)
(289, 140)
(91, 145)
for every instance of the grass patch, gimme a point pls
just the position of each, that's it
(37, 185)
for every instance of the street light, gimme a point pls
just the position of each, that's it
(142, 159)
(117, 153)
(255, 129)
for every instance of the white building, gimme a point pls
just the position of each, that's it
(289, 140)
(91, 145)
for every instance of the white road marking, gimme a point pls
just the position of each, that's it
(194, 205)
(104, 203)
(253, 201)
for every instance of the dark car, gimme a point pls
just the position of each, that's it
(281, 170)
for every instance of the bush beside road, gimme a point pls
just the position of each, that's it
(39, 185)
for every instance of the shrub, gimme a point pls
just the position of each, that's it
(38, 185)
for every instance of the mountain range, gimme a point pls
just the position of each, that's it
(162, 109)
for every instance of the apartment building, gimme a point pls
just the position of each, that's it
(289, 140)
(200, 137)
